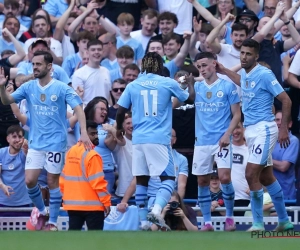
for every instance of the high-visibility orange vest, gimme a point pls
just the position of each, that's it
(82, 181)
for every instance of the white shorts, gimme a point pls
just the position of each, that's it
(204, 157)
(53, 162)
(261, 139)
(152, 160)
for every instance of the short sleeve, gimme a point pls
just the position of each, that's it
(57, 47)
(183, 165)
(140, 52)
(271, 84)
(51, 8)
(22, 69)
(77, 81)
(72, 98)
(63, 77)
(178, 92)
(125, 99)
(290, 154)
(67, 67)
(233, 96)
(20, 93)
(172, 67)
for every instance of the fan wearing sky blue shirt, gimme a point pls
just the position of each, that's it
(150, 98)
(25, 68)
(217, 115)
(259, 87)
(12, 170)
(47, 101)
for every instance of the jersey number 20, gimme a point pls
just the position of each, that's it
(145, 94)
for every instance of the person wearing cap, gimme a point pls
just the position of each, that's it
(248, 18)
(216, 194)
(25, 68)
(41, 27)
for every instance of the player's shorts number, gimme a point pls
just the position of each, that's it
(56, 157)
(145, 94)
(256, 149)
(223, 153)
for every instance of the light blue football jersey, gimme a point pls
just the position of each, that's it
(259, 87)
(150, 96)
(213, 113)
(110, 65)
(47, 107)
(13, 174)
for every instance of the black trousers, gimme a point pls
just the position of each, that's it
(94, 220)
(240, 203)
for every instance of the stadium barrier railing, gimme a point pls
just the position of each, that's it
(115, 218)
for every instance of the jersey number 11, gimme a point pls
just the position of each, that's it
(145, 94)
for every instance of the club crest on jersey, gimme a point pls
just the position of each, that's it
(247, 84)
(220, 94)
(11, 166)
(208, 95)
(53, 98)
(252, 84)
(43, 97)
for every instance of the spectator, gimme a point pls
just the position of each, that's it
(56, 8)
(11, 8)
(249, 18)
(224, 7)
(23, 17)
(12, 171)
(117, 89)
(124, 27)
(182, 9)
(92, 78)
(97, 111)
(11, 24)
(75, 60)
(239, 161)
(61, 30)
(125, 56)
(130, 73)
(216, 194)
(29, 33)
(167, 22)
(228, 54)
(109, 42)
(8, 40)
(284, 160)
(41, 27)
(87, 200)
(293, 82)
(25, 68)
(149, 24)
(178, 216)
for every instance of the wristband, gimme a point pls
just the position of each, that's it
(287, 23)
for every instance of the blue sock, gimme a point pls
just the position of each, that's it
(276, 194)
(228, 196)
(257, 205)
(54, 205)
(141, 201)
(164, 193)
(37, 198)
(204, 201)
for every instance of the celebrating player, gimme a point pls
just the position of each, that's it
(259, 87)
(46, 99)
(217, 115)
(150, 97)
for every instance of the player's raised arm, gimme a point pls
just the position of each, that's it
(236, 78)
(190, 82)
(5, 97)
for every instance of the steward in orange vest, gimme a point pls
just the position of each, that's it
(83, 187)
